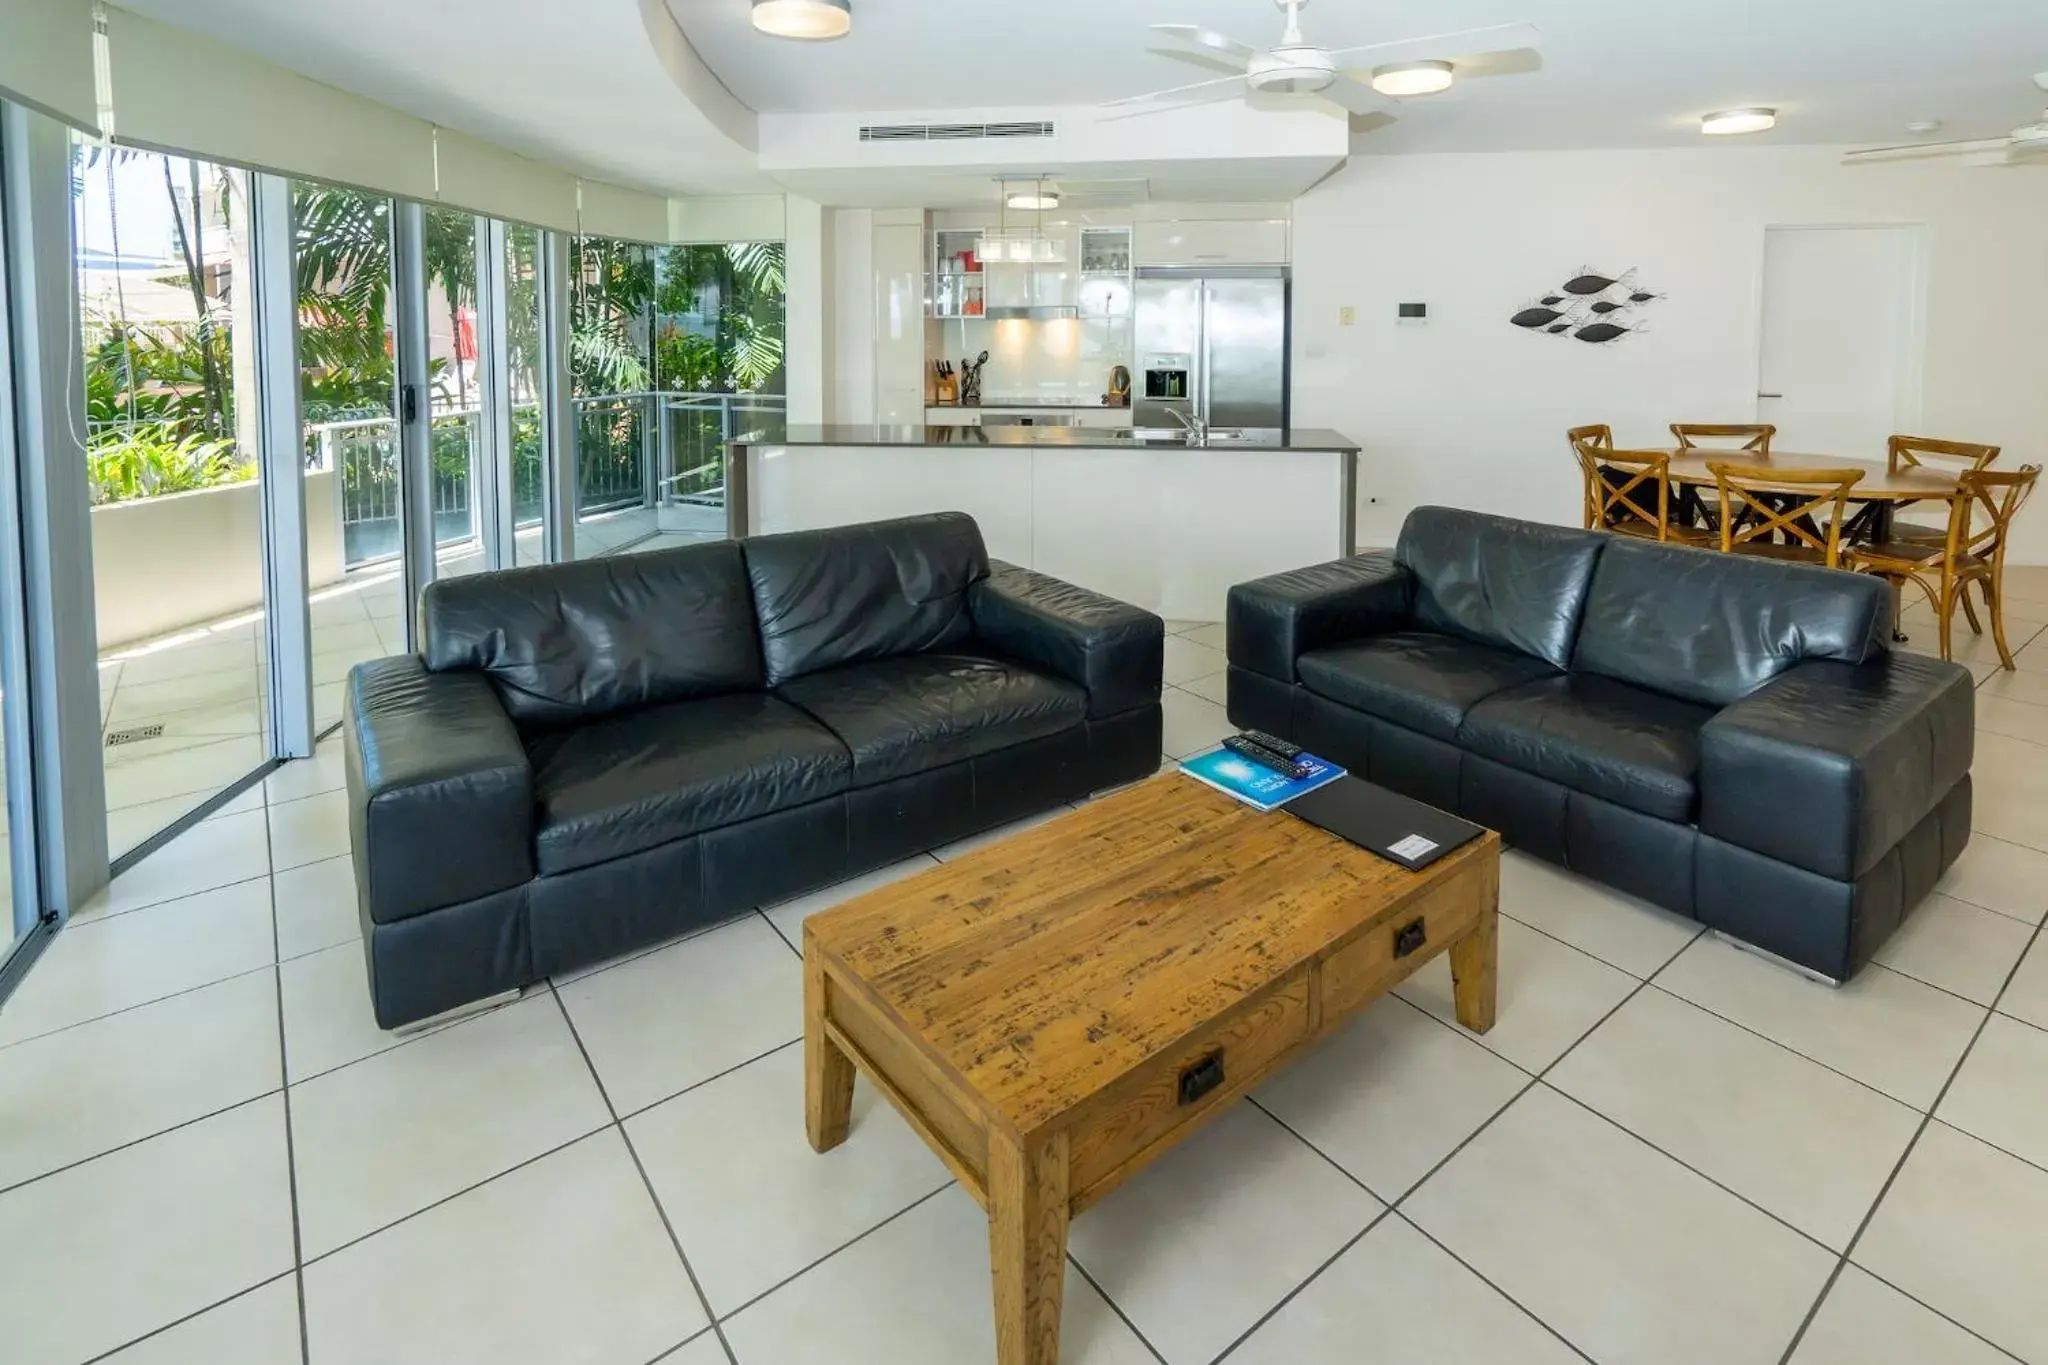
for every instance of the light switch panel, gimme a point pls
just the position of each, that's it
(1346, 315)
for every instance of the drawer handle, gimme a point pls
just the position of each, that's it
(1204, 1076)
(1409, 938)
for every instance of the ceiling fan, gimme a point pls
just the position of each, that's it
(2023, 146)
(1295, 66)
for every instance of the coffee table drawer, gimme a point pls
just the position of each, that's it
(1180, 1088)
(1384, 954)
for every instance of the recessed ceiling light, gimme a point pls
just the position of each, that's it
(1412, 78)
(1033, 199)
(1730, 122)
(811, 20)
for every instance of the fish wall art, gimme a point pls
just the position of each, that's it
(1592, 306)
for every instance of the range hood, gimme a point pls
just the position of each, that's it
(1035, 312)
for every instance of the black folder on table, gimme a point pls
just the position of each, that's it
(1396, 827)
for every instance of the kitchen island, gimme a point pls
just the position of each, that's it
(1145, 516)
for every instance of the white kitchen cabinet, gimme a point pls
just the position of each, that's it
(952, 417)
(899, 323)
(1211, 241)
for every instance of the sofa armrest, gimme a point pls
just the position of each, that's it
(1831, 764)
(440, 794)
(1114, 650)
(1274, 621)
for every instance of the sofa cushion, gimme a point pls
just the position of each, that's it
(1511, 584)
(625, 783)
(1622, 744)
(1714, 628)
(912, 714)
(565, 642)
(1416, 678)
(854, 593)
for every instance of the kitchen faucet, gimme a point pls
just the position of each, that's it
(1197, 429)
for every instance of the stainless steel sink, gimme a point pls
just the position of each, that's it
(1177, 436)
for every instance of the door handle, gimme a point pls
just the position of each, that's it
(1770, 395)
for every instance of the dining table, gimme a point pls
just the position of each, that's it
(1880, 492)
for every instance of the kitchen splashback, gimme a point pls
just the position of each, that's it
(1063, 359)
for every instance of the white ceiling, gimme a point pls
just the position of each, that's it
(578, 82)
(1616, 73)
(582, 82)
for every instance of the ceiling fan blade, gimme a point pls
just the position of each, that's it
(1209, 39)
(1925, 151)
(1355, 97)
(1443, 46)
(1201, 92)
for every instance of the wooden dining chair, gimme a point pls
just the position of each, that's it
(1599, 435)
(1927, 452)
(1628, 492)
(1807, 506)
(1753, 436)
(1972, 550)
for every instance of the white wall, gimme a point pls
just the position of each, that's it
(851, 234)
(1471, 411)
(807, 356)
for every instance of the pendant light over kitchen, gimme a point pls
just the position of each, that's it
(1027, 245)
(807, 20)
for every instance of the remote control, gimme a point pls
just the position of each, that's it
(1273, 742)
(1266, 758)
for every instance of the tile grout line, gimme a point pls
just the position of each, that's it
(1782, 1046)
(179, 1126)
(1884, 1191)
(1117, 1308)
(1394, 1205)
(862, 1236)
(290, 1149)
(200, 1312)
(646, 1183)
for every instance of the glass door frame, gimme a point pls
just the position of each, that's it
(30, 925)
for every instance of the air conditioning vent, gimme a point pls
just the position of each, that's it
(950, 132)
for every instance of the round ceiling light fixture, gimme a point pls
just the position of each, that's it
(1412, 78)
(1033, 199)
(1734, 122)
(808, 20)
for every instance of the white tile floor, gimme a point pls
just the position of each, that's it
(1667, 1151)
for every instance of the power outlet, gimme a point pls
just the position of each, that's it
(1346, 316)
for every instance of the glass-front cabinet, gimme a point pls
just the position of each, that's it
(1105, 285)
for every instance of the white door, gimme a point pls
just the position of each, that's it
(1839, 363)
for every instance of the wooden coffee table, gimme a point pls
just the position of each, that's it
(1053, 1012)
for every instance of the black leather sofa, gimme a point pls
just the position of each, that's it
(1727, 737)
(591, 757)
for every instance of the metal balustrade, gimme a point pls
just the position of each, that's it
(646, 449)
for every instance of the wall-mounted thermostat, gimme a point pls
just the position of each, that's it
(1414, 312)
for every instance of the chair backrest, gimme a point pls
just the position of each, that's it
(1904, 452)
(1986, 502)
(1754, 436)
(1626, 485)
(1599, 435)
(1757, 502)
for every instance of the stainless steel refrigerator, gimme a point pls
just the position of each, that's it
(1212, 344)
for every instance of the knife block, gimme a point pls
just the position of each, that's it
(945, 390)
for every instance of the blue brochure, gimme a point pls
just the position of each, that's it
(1258, 787)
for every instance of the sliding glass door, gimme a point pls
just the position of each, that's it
(347, 400)
(20, 904)
(611, 375)
(177, 523)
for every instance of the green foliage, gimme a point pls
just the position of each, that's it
(146, 461)
(721, 317)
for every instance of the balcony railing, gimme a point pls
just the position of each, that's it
(646, 449)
